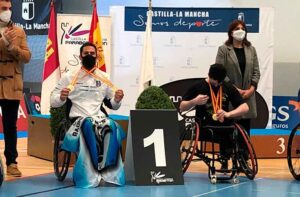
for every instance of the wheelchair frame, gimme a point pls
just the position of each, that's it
(1, 172)
(293, 152)
(61, 158)
(192, 147)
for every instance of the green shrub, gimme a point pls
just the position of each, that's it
(57, 115)
(154, 98)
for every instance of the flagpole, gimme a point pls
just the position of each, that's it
(150, 12)
(150, 5)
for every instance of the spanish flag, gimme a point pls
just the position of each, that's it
(95, 37)
(51, 73)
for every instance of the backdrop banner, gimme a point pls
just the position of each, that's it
(32, 15)
(185, 44)
(73, 31)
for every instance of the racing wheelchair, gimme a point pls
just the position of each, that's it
(193, 147)
(293, 152)
(61, 157)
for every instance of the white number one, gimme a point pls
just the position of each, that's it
(157, 138)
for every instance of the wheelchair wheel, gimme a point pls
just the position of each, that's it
(61, 158)
(293, 152)
(248, 162)
(188, 144)
(1, 172)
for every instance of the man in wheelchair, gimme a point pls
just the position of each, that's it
(93, 136)
(212, 99)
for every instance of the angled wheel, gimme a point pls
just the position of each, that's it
(1, 172)
(247, 158)
(61, 158)
(188, 144)
(293, 152)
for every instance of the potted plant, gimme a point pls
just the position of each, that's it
(57, 115)
(154, 98)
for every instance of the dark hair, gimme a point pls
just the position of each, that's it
(87, 44)
(217, 72)
(231, 27)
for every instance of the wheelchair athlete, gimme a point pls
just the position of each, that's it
(211, 98)
(96, 138)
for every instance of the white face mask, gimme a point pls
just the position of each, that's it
(239, 35)
(5, 16)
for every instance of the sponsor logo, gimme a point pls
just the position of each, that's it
(158, 178)
(73, 35)
(241, 16)
(28, 9)
(285, 112)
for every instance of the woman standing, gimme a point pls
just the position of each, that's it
(240, 60)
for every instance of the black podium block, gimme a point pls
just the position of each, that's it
(152, 151)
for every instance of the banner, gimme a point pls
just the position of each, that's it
(191, 19)
(185, 50)
(32, 15)
(72, 32)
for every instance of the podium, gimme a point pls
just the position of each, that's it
(153, 151)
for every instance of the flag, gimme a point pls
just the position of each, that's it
(147, 68)
(51, 73)
(95, 37)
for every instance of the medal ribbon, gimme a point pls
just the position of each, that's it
(90, 72)
(216, 101)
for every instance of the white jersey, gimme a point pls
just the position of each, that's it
(87, 95)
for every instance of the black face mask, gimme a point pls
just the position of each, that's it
(88, 61)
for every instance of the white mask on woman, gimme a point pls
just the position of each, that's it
(5, 16)
(239, 35)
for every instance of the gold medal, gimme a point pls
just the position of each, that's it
(70, 87)
(214, 117)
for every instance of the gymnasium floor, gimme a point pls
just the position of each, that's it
(38, 179)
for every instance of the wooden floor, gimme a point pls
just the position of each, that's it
(31, 166)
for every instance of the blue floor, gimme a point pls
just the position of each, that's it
(196, 184)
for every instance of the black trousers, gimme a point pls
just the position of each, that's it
(10, 110)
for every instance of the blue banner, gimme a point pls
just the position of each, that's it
(32, 15)
(285, 114)
(190, 19)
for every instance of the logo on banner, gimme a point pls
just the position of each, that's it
(190, 19)
(285, 113)
(28, 10)
(160, 178)
(73, 35)
(241, 16)
(172, 40)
